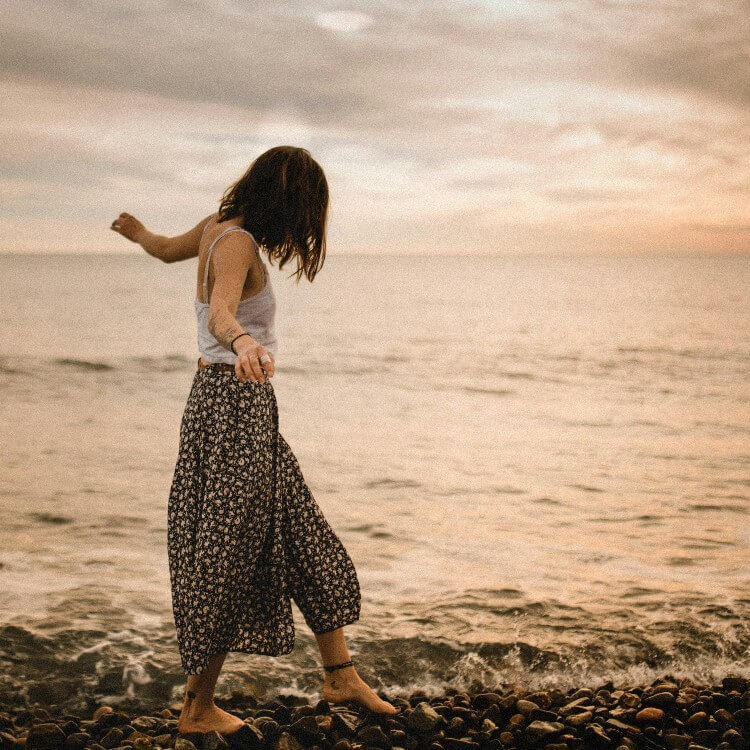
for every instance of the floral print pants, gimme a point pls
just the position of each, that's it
(245, 535)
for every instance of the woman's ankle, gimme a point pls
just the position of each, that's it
(343, 675)
(197, 704)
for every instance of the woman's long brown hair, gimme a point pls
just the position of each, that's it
(283, 201)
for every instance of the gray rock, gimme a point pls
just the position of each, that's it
(423, 718)
(539, 730)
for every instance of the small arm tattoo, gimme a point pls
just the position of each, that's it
(222, 330)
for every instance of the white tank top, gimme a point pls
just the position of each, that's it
(255, 314)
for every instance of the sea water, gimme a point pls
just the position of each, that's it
(538, 464)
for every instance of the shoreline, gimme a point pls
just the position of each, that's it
(667, 713)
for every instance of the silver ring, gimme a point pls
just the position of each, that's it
(265, 358)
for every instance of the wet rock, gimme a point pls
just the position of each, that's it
(268, 727)
(630, 700)
(735, 739)
(8, 741)
(77, 740)
(287, 741)
(423, 718)
(144, 723)
(301, 712)
(214, 741)
(526, 707)
(621, 726)
(325, 723)
(539, 730)
(577, 720)
(112, 738)
(581, 693)
(305, 729)
(101, 711)
(596, 737)
(374, 735)
(482, 701)
(649, 715)
(539, 714)
(344, 721)
(507, 738)
(113, 719)
(136, 734)
(163, 740)
(659, 700)
(181, 743)
(572, 706)
(541, 698)
(696, 720)
(45, 736)
(676, 741)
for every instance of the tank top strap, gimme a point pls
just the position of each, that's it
(210, 250)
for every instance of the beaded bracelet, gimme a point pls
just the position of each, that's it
(231, 343)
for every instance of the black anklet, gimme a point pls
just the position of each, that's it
(331, 667)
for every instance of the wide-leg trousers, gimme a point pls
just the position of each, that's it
(245, 534)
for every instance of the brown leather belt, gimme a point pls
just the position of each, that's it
(216, 365)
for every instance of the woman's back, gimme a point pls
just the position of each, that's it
(256, 311)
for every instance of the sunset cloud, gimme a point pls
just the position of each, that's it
(487, 127)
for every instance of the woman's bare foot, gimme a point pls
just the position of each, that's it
(345, 684)
(197, 717)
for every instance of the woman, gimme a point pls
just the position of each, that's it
(245, 535)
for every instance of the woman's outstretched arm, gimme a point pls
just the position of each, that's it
(167, 249)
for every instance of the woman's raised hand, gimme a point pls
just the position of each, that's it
(128, 226)
(248, 366)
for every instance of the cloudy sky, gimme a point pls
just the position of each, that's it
(523, 126)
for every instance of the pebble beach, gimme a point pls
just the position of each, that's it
(677, 714)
